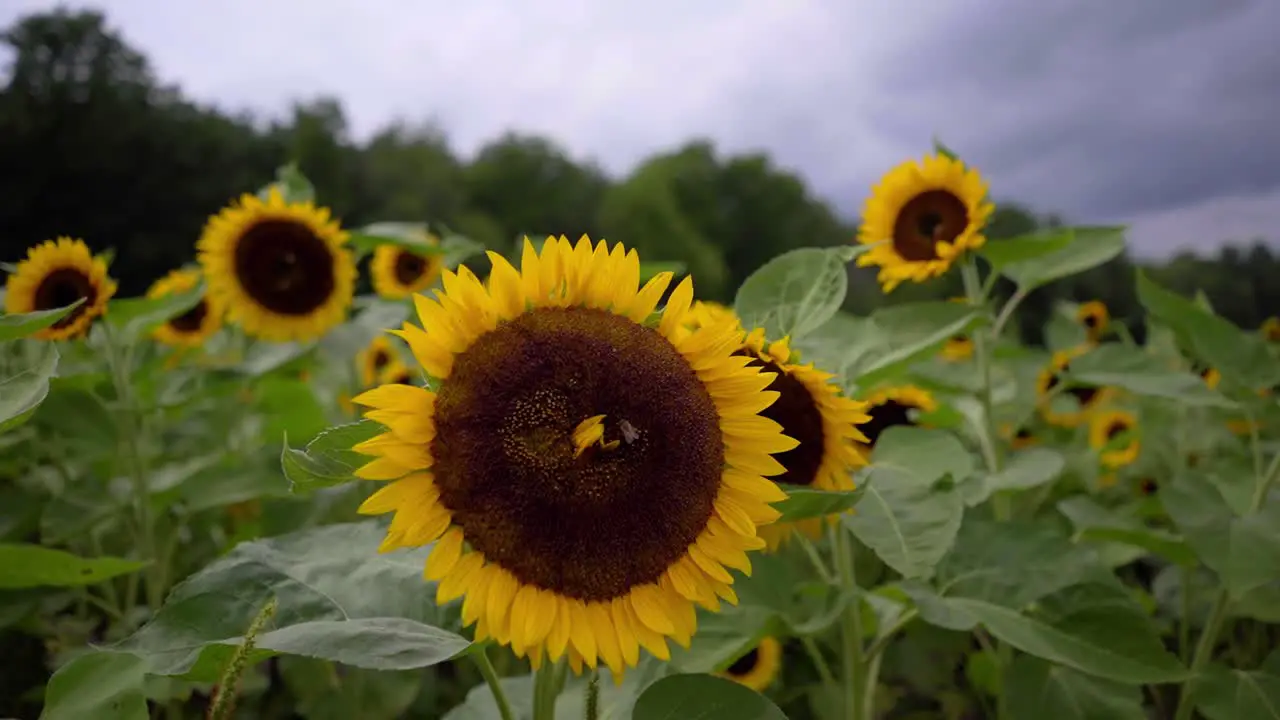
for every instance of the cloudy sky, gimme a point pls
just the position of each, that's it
(1158, 113)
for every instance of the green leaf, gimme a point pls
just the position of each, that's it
(1095, 523)
(796, 292)
(943, 150)
(722, 638)
(263, 357)
(363, 694)
(458, 249)
(327, 460)
(14, 326)
(410, 236)
(1037, 690)
(339, 600)
(1242, 357)
(1088, 247)
(293, 185)
(913, 332)
(1225, 694)
(703, 697)
(921, 456)
(289, 407)
(804, 502)
(1026, 248)
(102, 685)
(22, 393)
(25, 566)
(1026, 469)
(1127, 367)
(1243, 551)
(138, 316)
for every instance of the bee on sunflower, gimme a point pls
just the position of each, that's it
(930, 212)
(813, 411)
(398, 271)
(1049, 385)
(282, 270)
(759, 667)
(894, 407)
(1094, 316)
(192, 328)
(55, 274)
(587, 474)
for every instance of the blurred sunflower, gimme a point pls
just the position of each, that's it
(1114, 433)
(397, 373)
(1271, 329)
(759, 667)
(958, 349)
(55, 274)
(1147, 486)
(1020, 438)
(586, 473)
(811, 410)
(373, 359)
(193, 327)
(704, 313)
(1050, 382)
(893, 407)
(281, 269)
(1211, 376)
(398, 272)
(1094, 317)
(931, 212)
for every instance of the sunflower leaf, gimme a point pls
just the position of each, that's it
(796, 292)
(913, 332)
(1039, 690)
(22, 393)
(1225, 694)
(100, 684)
(14, 326)
(26, 566)
(705, 697)
(1087, 247)
(1141, 373)
(327, 460)
(804, 502)
(135, 317)
(292, 184)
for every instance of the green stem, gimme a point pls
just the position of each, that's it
(886, 637)
(481, 659)
(853, 665)
(593, 696)
(546, 690)
(1184, 622)
(982, 356)
(819, 662)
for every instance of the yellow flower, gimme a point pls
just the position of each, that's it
(1019, 439)
(193, 327)
(397, 373)
(1049, 383)
(893, 407)
(957, 349)
(812, 410)
(1114, 433)
(759, 667)
(1094, 316)
(281, 269)
(931, 212)
(1211, 376)
(705, 313)
(1271, 329)
(55, 274)
(568, 539)
(399, 272)
(373, 359)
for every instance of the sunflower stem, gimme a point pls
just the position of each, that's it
(593, 696)
(546, 690)
(982, 355)
(481, 659)
(853, 664)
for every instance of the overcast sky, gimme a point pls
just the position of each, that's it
(1161, 113)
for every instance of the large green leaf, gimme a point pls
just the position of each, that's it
(1095, 523)
(14, 326)
(1244, 551)
(804, 502)
(102, 685)
(135, 317)
(1222, 693)
(703, 697)
(324, 694)
(1037, 690)
(327, 460)
(289, 407)
(1086, 247)
(913, 332)
(1125, 366)
(22, 393)
(722, 637)
(1026, 469)
(24, 566)
(796, 292)
(338, 600)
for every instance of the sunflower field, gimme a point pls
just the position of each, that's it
(548, 482)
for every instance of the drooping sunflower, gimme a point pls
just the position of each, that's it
(282, 270)
(958, 349)
(1114, 434)
(1048, 384)
(1271, 329)
(374, 359)
(588, 474)
(893, 407)
(1094, 317)
(55, 274)
(759, 667)
(193, 327)
(398, 272)
(931, 212)
(811, 410)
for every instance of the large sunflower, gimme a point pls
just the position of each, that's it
(55, 274)
(893, 407)
(758, 668)
(1094, 317)
(1114, 434)
(282, 270)
(931, 212)
(813, 411)
(587, 472)
(1087, 399)
(193, 327)
(374, 359)
(398, 272)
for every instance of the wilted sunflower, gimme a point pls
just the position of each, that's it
(281, 269)
(759, 667)
(1087, 398)
(587, 474)
(374, 359)
(893, 407)
(398, 272)
(931, 212)
(1094, 317)
(1114, 433)
(55, 274)
(1271, 329)
(813, 411)
(193, 327)
(958, 348)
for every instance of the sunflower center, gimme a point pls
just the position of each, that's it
(1023, 434)
(62, 287)
(745, 664)
(285, 267)
(890, 413)
(593, 524)
(380, 359)
(191, 320)
(409, 267)
(1147, 486)
(800, 419)
(1090, 321)
(1114, 430)
(1083, 395)
(927, 219)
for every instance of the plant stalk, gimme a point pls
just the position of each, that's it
(853, 665)
(481, 659)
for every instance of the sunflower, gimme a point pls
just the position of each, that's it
(193, 327)
(587, 472)
(958, 348)
(397, 373)
(759, 667)
(892, 407)
(398, 272)
(1020, 438)
(705, 313)
(374, 359)
(811, 410)
(1211, 376)
(1114, 433)
(1049, 382)
(1271, 329)
(1094, 317)
(1147, 486)
(281, 269)
(55, 274)
(931, 212)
